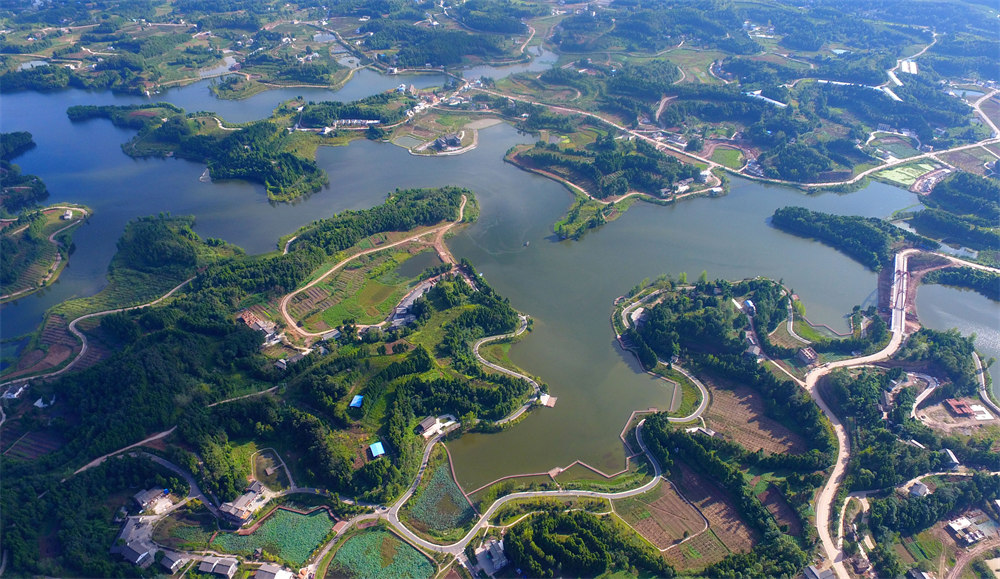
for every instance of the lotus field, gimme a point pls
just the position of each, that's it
(377, 553)
(440, 506)
(285, 534)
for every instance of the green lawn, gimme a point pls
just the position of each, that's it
(731, 158)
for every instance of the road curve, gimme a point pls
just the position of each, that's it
(538, 390)
(83, 338)
(703, 405)
(292, 324)
(457, 547)
(52, 240)
(824, 502)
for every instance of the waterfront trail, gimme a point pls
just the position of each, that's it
(703, 404)
(83, 338)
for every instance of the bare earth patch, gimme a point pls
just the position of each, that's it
(738, 413)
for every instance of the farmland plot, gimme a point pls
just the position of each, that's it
(661, 516)
(377, 553)
(285, 534)
(738, 413)
(723, 518)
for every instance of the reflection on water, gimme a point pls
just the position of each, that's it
(943, 308)
(567, 287)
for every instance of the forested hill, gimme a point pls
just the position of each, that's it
(278, 274)
(868, 240)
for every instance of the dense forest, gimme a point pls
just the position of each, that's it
(879, 459)
(388, 108)
(81, 527)
(579, 544)
(420, 46)
(982, 281)
(19, 191)
(257, 152)
(951, 353)
(14, 144)
(609, 167)
(965, 209)
(868, 240)
(498, 16)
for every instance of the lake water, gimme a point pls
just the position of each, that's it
(942, 308)
(541, 60)
(567, 287)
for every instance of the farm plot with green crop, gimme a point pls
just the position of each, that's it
(377, 553)
(287, 535)
(439, 506)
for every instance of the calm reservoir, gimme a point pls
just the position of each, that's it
(567, 287)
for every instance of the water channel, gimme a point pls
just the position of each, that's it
(567, 287)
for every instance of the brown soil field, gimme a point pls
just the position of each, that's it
(723, 518)
(970, 160)
(781, 510)
(698, 553)
(661, 516)
(738, 413)
(34, 445)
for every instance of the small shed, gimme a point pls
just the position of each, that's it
(357, 401)
(377, 450)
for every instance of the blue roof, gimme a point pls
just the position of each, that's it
(356, 401)
(377, 449)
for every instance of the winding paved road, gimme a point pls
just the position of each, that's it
(52, 239)
(292, 324)
(538, 390)
(83, 338)
(457, 547)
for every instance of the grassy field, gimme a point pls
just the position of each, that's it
(186, 529)
(378, 553)
(731, 158)
(690, 396)
(287, 535)
(906, 175)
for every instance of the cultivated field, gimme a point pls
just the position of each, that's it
(366, 289)
(971, 160)
(738, 413)
(440, 505)
(288, 535)
(906, 175)
(701, 551)
(723, 519)
(32, 445)
(661, 516)
(377, 553)
(782, 511)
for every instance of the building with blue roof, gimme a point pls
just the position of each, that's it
(377, 450)
(356, 401)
